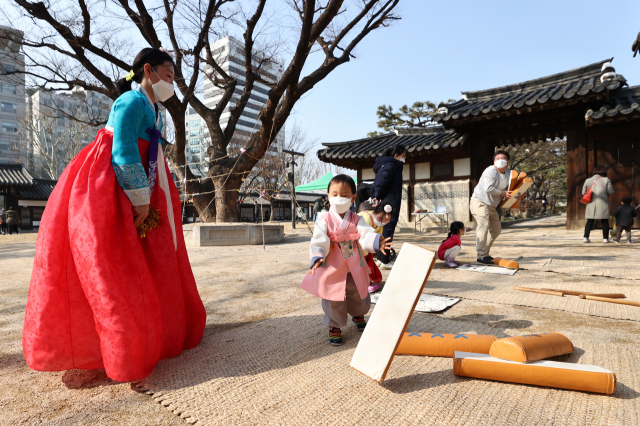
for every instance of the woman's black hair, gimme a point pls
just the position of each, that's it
(393, 151)
(148, 55)
(379, 208)
(599, 170)
(344, 179)
(454, 229)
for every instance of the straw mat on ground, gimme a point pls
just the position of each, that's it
(499, 289)
(282, 371)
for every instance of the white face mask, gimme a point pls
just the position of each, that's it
(162, 90)
(500, 163)
(377, 222)
(340, 204)
(401, 159)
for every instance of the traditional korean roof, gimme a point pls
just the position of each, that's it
(415, 140)
(623, 105)
(591, 81)
(14, 175)
(40, 191)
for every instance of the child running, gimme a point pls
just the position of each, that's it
(624, 219)
(450, 247)
(376, 218)
(339, 274)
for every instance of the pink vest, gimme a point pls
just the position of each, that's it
(330, 279)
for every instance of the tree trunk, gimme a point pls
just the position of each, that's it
(272, 216)
(227, 188)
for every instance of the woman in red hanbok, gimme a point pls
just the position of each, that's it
(103, 294)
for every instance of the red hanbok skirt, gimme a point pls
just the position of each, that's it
(100, 296)
(375, 275)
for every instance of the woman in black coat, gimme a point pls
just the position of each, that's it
(387, 186)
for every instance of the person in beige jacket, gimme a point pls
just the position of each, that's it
(491, 189)
(598, 208)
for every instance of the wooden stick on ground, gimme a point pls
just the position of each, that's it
(568, 292)
(606, 299)
(539, 291)
(607, 295)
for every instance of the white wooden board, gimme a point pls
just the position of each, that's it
(523, 188)
(393, 311)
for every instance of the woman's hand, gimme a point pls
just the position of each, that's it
(506, 194)
(385, 244)
(315, 266)
(140, 213)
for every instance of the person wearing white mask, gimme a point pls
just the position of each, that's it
(112, 286)
(339, 274)
(377, 218)
(492, 188)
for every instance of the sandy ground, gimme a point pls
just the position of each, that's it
(245, 285)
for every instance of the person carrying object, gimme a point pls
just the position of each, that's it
(624, 219)
(452, 245)
(492, 187)
(598, 206)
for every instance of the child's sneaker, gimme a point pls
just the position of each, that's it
(335, 336)
(359, 322)
(616, 241)
(629, 242)
(586, 240)
(373, 287)
(450, 263)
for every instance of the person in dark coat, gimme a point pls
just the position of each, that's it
(624, 218)
(320, 205)
(387, 186)
(13, 220)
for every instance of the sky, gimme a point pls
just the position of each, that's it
(440, 49)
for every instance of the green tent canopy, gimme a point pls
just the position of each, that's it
(318, 184)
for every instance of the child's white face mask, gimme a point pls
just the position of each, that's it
(377, 222)
(340, 204)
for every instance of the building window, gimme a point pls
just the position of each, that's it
(218, 50)
(195, 123)
(8, 107)
(442, 169)
(6, 68)
(48, 102)
(8, 126)
(194, 132)
(8, 88)
(195, 149)
(194, 141)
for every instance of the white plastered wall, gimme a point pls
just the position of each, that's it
(462, 167)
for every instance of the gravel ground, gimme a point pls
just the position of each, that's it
(243, 285)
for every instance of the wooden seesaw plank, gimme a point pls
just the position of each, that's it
(540, 291)
(392, 313)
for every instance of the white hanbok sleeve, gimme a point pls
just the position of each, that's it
(369, 239)
(320, 242)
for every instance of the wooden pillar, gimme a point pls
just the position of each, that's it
(359, 174)
(411, 201)
(577, 169)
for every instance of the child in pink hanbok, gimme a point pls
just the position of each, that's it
(339, 273)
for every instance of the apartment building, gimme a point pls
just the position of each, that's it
(12, 95)
(229, 54)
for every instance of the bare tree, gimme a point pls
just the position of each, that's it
(50, 140)
(82, 44)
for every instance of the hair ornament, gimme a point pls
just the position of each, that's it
(130, 76)
(162, 49)
(387, 208)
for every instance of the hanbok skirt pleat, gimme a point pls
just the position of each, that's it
(101, 296)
